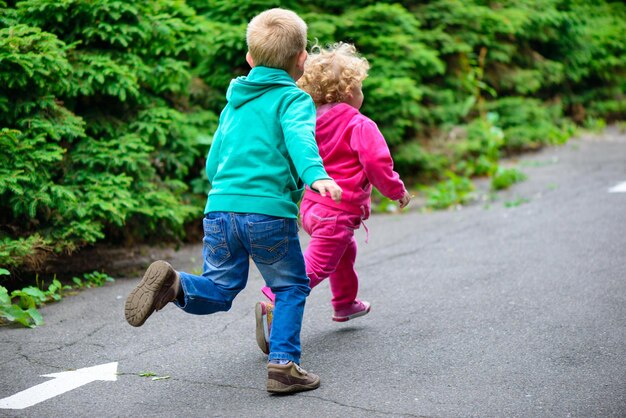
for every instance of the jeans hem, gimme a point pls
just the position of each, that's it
(182, 288)
(283, 356)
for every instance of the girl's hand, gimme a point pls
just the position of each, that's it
(404, 200)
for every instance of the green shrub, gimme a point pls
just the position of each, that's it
(479, 153)
(504, 178)
(454, 191)
(21, 305)
(529, 124)
(108, 107)
(100, 134)
(411, 157)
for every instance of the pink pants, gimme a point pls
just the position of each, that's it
(332, 250)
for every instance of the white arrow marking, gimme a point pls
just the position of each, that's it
(620, 188)
(63, 382)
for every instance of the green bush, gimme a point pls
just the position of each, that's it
(100, 133)
(107, 107)
(21, 305)
(528, 124)
(479, 153)
(454, 191)
(504, 178)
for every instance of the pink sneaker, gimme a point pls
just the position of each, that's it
(264, 314)
(268, 294)
(358, 308)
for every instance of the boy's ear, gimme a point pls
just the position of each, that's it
(301, 60)
(249, 60)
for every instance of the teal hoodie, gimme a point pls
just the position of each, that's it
(264, 147)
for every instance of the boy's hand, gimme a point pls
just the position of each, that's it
(328, 187)
(404, 200)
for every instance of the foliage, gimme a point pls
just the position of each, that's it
(94, 279)
(503, 178)
(412, 157)
(382, 204)
(479, 152)
(21, 305)
(107, 107)
(453, 191)
(528, 125)
(100, 131)
(518, 201)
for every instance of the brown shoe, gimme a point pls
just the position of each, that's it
(264, 314)
(159, 286)
(290, 378)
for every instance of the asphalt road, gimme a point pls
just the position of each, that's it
(489, 311)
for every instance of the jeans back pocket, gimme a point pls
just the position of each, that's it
(216, 249)
(269, 240)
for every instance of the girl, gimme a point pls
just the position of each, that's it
(356, 156)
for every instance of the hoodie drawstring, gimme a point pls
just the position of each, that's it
(367, 231)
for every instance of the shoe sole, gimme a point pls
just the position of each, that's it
(349, 317)
(260, 328)
(274, 386)
(141, 302)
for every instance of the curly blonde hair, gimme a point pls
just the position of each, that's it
(331, 73)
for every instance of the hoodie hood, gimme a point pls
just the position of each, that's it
(334, 116)
(332, 120)
(258, 81)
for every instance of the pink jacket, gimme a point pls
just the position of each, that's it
(356, 156)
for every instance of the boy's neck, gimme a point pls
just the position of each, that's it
(295, 70)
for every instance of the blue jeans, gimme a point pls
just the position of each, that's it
(230, 240)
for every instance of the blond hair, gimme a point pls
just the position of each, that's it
(275, 37)
(331, 73)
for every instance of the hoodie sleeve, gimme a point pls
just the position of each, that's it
(298, 123)
(376, 160)
(212, 159)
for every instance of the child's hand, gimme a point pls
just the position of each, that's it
(328, 186)
(404, 200)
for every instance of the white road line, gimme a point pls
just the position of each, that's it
(63, 382)
(620, 188)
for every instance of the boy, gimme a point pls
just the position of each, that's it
(263, 150)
